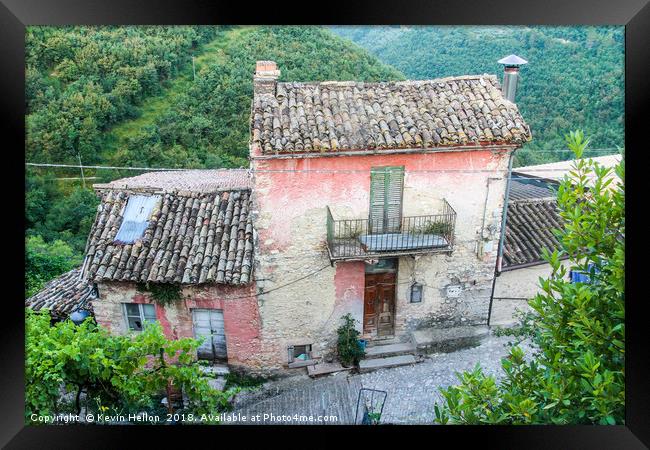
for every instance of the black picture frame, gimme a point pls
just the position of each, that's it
(16, 14)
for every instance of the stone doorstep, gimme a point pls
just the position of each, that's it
(379, 351)
(323, 368)
(217, 383)
(375, 341)
(366, 365)
(448, 339)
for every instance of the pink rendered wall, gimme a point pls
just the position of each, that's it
(286, 195)
(349, 282)
(239, 306)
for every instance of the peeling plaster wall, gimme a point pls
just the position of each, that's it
(514, 285)
(289, 211)
(241, 316)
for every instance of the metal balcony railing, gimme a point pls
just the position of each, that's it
(369, 239)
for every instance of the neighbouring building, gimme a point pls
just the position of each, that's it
(382, 200)
(532, 215)
(188, 233)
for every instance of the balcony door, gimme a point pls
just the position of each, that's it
(386, 189)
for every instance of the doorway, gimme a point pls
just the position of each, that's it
(379, 298)
(208, 323)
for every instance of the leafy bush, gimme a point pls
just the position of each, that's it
(120, 373)
(348, 347)
(578, 374)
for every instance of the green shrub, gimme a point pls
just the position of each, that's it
(577, 375)
(348, 347)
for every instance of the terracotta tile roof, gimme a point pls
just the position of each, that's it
(330, 116)
(529, 228)
(185, 180)
(531, 189)
(63, 295)
(191, 238)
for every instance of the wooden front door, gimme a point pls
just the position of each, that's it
(379, 304)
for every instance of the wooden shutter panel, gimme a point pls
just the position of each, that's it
(393, 207)
(377, 199)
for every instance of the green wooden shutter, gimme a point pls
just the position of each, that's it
(386, 185)
(377, 199)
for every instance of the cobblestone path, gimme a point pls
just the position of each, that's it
(411, 390)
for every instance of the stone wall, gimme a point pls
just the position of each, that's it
(307, 295)
(239, 306)
(513, 287)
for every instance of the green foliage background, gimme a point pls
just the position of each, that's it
(574, 77)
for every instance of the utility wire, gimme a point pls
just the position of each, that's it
(305, 170)
(283, 285)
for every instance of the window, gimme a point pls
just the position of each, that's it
(416, 293)
(136, 218)
(386, 186)
(299, 353)
(138, 314)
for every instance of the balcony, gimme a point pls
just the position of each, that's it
(361, 239)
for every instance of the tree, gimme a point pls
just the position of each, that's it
(45, 261)
(119, 373)
(577, 375)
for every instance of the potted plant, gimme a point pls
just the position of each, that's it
(348, 348)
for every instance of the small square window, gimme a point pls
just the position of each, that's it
(137, 315)
(416, 293)
(299, 353)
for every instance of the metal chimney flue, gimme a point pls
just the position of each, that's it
(511, 75)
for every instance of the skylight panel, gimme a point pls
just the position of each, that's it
(136, 218)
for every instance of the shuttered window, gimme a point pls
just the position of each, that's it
(386, 186)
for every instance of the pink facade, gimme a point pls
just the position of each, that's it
(293, 186)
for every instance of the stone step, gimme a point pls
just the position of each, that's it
(323, 368)
(430, 340)
(374, 342)
(366, 365)
(380, 351)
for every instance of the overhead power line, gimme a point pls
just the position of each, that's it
(301, 170)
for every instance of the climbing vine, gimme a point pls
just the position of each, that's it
(162, 294)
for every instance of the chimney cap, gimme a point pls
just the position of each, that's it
(513, 60)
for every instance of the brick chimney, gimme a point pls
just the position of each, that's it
(266, 77)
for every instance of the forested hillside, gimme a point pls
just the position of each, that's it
(130, 96)
(573, 79)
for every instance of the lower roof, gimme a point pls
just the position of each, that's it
(188, 238)
(529, 230)
(64, 294)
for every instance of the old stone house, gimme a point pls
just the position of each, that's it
(383, 200)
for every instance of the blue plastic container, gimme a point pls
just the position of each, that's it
(362, 344)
